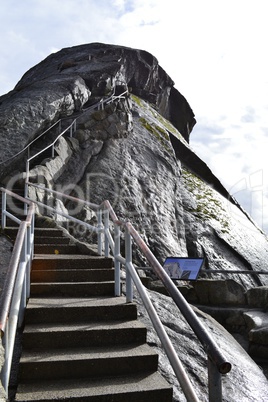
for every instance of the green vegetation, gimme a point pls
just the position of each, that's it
(164, 122)
(161, 134)
(138, 100)
(208, 206)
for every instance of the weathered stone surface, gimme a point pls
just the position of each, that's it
(257, 323)
(219, 292)
(32, 108)
(130, 173)
(258, 297)
(208, 292)
(65, 80)
(220, 231)
(238, 385)
(6, 247)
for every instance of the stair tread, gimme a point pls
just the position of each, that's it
(69, 257)
(83, 326)
(100, 352)
(71, 283)
(75, 270)
(55, 302)
(69, 261)
(41, 240)
(71, 309)
(82, 388)
(38, 236)
(72, 275)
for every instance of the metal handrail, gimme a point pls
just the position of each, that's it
(217, 363)
(16, 288)
(58, 122)
(99, 104)
(210, 346)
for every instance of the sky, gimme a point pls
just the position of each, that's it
(214, 50)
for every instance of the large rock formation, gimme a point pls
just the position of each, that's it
(66, 80)
(135, 152)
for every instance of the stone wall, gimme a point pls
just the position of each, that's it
(243, 312)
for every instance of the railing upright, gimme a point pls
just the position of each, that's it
(128, 252)
(99, 226)
(106, 232)
(117, 264)
(4, 206)
(214, 382)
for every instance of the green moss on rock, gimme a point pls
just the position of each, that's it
(158, 132)
(208, 206)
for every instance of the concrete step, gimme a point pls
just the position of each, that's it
(72, 275)
(55, 249)
(51, 240)
(141, 387)
(72, 289)
(87, 362)
(54, 310)
(38, 232)
(93, 333)
(48, 232)
(65, 261)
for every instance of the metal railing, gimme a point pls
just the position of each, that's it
(70, 129)
(16, 290)
(98, 105)
(217, 363)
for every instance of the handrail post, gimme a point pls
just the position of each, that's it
(117, 264)
(214, 382)
(99, 216)
(106, 229)
(128, 251)
(26, 188)
(23, 262)
(4, 207)
(32, 236)
(30, 251)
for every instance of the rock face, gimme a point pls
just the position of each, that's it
(135, 152)
(236, 385)
(81, 74)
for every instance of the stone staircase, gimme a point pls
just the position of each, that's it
(80, 343)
